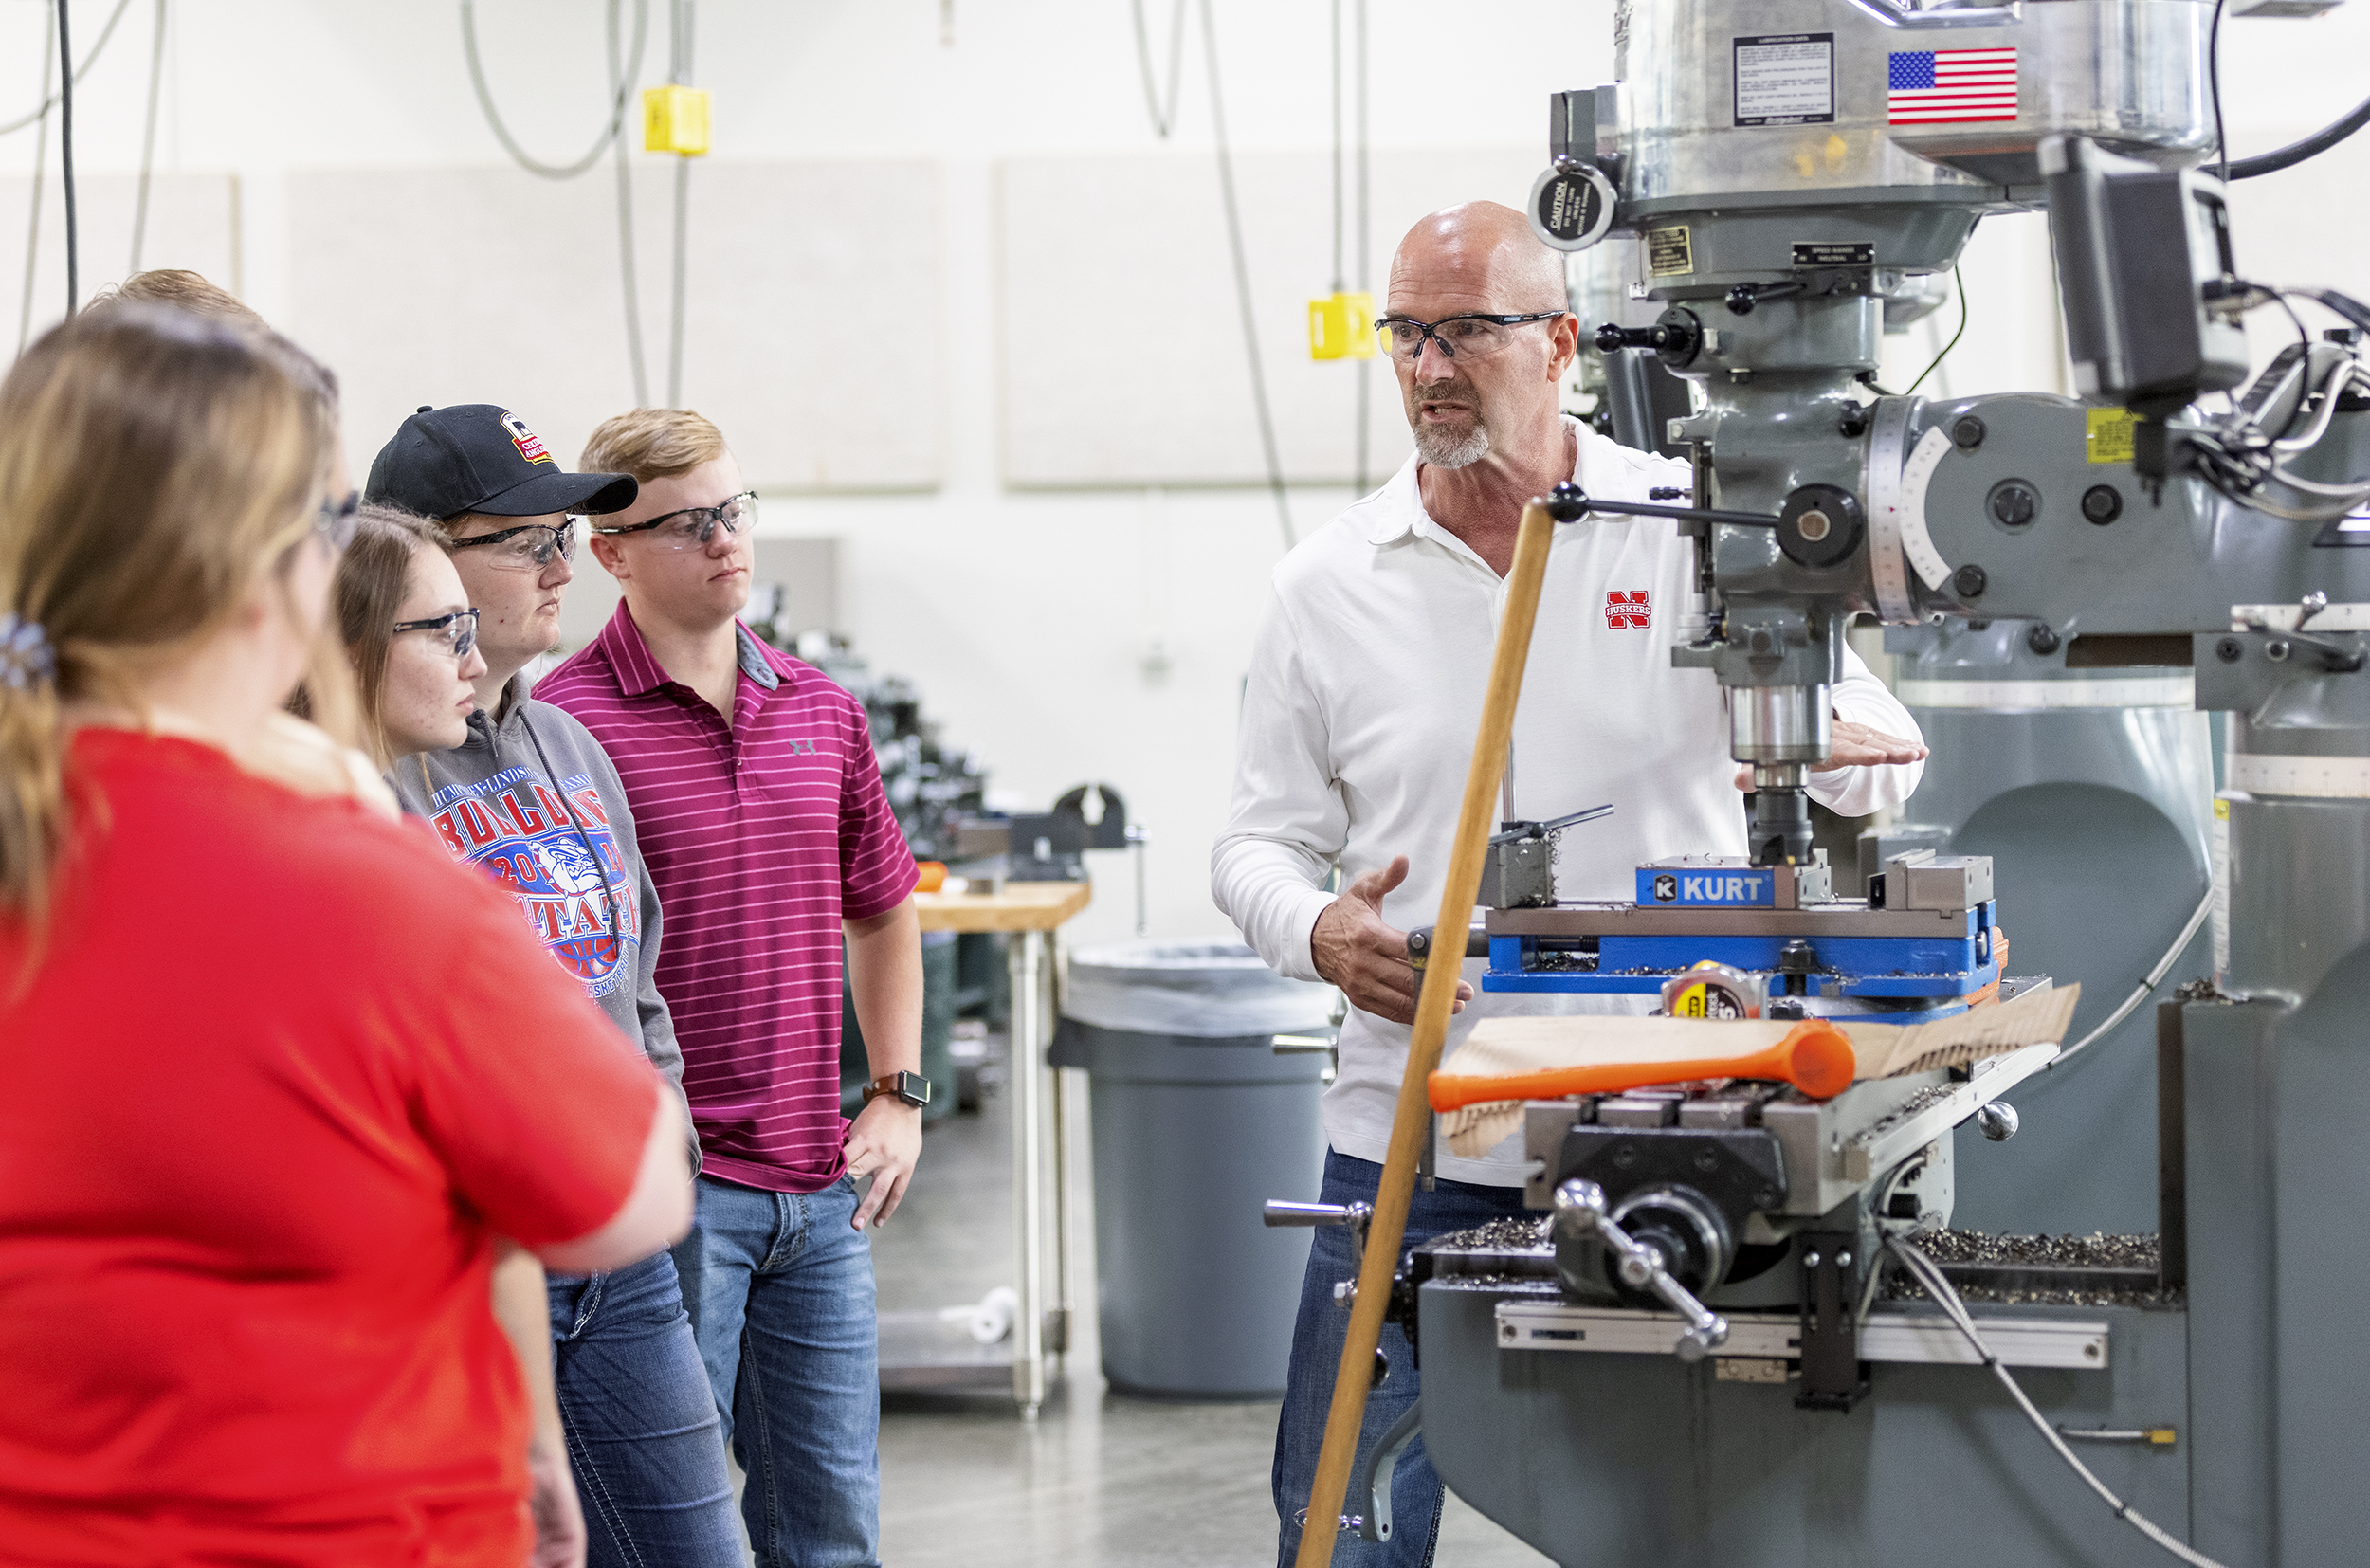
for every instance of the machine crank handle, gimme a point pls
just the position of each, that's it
(1354, 1216)
(1581, 1204)
(1280, 1213)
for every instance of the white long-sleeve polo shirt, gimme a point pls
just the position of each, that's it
(1358, 728)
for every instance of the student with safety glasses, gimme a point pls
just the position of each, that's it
(772, 844)
(526, 793)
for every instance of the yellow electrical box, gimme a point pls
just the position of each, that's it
(675, 120)
(1341, 327)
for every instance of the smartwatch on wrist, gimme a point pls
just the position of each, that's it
(911, 1087)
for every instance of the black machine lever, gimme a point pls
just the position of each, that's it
(1514, 830)
(1587, 504)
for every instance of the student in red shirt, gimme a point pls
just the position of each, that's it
(764, 824)
(251, 1188)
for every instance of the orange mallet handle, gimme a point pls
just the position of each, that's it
(1815, 1057)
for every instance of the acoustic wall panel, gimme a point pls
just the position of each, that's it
(193, 223)
(813, 310)
(1122, 352)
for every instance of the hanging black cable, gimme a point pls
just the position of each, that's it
(1242, 282)
(148, 138)
(49, 100)
(2296, 152)
(2214, 83)
(66, 162)
(41, 166)
(1959, 285)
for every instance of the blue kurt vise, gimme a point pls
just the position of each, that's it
(1917, 947)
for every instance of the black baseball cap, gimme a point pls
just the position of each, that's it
(474, 457)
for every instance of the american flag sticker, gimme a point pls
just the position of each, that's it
(1950, 87)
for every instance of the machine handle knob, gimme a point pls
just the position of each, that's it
(1282, 1213)
(1581, 1205)
(1999, 1121)
(1612, 339)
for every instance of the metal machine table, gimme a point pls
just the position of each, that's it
(913, 1353)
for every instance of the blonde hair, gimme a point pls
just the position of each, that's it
(374, 576)
(651, 444)
(182, 289)
(153, 465)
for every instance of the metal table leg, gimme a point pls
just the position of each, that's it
(1028, 1076)
(1058, 1319)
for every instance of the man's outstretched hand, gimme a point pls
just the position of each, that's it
(1856, 746)
(1356, 949)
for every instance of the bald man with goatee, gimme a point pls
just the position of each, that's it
(1358, 724)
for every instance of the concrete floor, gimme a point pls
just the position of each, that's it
(1098, 1481)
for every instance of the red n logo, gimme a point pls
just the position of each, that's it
(1628, 612)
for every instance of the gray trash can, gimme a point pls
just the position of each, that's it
(1197, 1122)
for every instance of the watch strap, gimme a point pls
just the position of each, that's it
(910, 1087)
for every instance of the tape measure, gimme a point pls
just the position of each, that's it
(1713, 990)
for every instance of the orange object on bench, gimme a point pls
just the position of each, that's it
(1815, 1057)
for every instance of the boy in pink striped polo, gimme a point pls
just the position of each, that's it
(764, 827)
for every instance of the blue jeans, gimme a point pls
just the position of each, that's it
(779, 1287)
(642, 1430)
(1317, 1354)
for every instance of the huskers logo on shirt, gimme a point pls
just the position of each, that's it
(1630, 612)
(568, 877)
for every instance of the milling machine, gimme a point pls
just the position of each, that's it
(1698, 1355)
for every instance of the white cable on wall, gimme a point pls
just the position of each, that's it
(622, 95)
(1242, 282)
(49, 100)
(627, 269)
(679, 72)
(147, 136)
(41, 165)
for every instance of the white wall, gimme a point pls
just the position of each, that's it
(1072, 634)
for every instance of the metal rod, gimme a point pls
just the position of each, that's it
(1704, 514)
(1028, 1174)
(1063, 1089)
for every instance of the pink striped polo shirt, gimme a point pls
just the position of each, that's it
(761, 837)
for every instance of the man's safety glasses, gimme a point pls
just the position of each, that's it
(692, 527)
(529, 547)
(1470, 336)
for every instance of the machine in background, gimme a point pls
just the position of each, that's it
(940, 795)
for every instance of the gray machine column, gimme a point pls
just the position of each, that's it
(2091, 790)
(2277, 1093)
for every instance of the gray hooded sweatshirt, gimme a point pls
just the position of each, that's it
(531, 799)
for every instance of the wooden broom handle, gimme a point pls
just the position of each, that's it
(1433, 1005)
